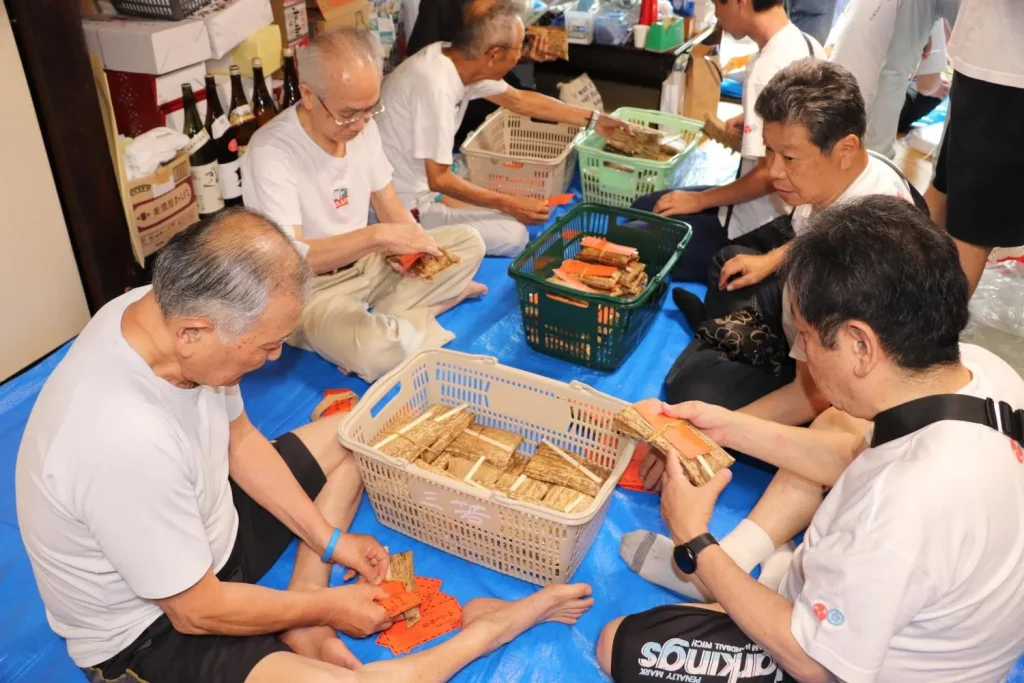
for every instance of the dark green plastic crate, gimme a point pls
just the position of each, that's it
(594, 330)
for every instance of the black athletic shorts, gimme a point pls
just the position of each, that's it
(162, 655)
(980, 165)
(688, 644)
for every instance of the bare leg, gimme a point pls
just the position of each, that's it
(473, 290)
(338, 502)
(972, 259)
(936, 202)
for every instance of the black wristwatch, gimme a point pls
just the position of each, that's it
(685, 555)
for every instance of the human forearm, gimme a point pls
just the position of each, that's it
(535, 105)
(747, 188)
(797, 403)
(330, 253)
(241, 609)
(761, 613)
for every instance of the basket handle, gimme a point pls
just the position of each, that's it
(582, 386)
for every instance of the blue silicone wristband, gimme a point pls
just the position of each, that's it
(329, 550)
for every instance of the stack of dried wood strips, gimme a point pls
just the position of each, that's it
(603, 267)
(700, 456)
(645, 143)
(447, 441)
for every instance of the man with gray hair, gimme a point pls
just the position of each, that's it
(317, 169)
(426, 98)
(150, 506)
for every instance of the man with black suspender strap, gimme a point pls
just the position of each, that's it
(912, 567)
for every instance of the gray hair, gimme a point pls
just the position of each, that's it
(226, 268)
(487, 24)
(326, 57)
(821, 96)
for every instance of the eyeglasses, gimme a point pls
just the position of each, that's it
(364, 115)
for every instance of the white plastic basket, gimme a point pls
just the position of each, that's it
(516, 155)
(524, 540)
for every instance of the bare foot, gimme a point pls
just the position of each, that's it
(558, 603)
(322, 643)
(474, 290)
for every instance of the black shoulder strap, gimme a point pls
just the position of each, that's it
(918, 198)
(915, 415)
(810, 48)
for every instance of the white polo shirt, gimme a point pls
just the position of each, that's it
(784, 48)
(293, 180)
(912, 569)
(880, 42)
(122, 489)
(425, 101)
(986, 41)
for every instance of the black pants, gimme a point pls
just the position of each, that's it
(163, 655)
(915, 106)
(708, 236)
(702, 373)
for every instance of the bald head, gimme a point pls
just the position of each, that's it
(335, 57)
(226, 268)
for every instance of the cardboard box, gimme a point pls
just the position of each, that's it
(229, 22)
(162, 204)
(265, 44)
(142, 101)
(149, 47)
(157, 206)
(291, 18)
(355, 13)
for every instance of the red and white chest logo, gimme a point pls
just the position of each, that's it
(1018, 452)
(341, 197)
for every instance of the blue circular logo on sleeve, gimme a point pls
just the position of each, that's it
(835, 617)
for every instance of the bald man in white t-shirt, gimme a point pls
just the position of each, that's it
(317, 169)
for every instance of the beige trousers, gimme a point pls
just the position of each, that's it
(368, 318)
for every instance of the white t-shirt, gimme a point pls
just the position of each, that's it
(294, 181)
(878, 177)
(880, 42)
(122, 489)
(986, 41)
(912, 569)
(425, 101)
(784, 48)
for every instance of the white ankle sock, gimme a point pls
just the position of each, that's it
(650, 555)
(774, 569)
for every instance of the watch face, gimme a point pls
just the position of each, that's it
(685, 559)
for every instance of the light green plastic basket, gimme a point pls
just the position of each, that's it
(618, 180)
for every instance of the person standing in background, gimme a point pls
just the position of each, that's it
(978, 172)
(813, 17)
(881, 42)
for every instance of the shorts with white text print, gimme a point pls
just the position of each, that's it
(689, 644)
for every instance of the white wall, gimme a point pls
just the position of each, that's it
(42, 303)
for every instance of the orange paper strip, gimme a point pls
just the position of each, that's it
(429, 591)
(631, 478)
(398, 600)
(560, 200)
(444, 617)
(571, 282)
(407, 261)
(682, 437)
(601, 244)
(574, 267)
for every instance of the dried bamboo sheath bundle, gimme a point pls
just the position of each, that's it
(606, 258)
(567, 500)
(497, 445)
(425, 436)
(554, 466)
(700, 456)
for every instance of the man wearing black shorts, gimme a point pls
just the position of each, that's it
(150, 505)
(887, 584)
(976, 189)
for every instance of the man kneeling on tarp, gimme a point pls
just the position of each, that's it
(317, 169)
(913, 566)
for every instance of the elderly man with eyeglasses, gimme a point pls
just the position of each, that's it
(317, 169)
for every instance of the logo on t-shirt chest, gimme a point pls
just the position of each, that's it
(340, 197)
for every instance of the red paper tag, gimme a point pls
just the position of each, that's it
(682, 437)
(398, 600)
(443, 617)
(407, 261)
(429, 591)
(631, 478)
(560, 200)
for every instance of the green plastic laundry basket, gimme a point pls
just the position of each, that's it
(595, 330)
(615, 179)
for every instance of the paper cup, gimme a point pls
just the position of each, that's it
(640, 32)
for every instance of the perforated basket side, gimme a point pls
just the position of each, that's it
(523, 540)
(174, 10)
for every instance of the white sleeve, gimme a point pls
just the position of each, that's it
(937, 61)
(482, 89)
(141, 509)
(864, 43)
(233, 402)
(381, 170)
(857, 594)
(433, 126)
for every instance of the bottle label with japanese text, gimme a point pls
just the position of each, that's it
(240, 115)
(230, 175)
(219, 126)
(197, 141)
(207, 187)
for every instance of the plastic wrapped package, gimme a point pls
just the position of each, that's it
(997, 312)
(612, 27)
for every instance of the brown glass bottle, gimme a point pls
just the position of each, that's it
(290, 92)
(202, 157)
(263, 107)
(241, 117)
(228, 165)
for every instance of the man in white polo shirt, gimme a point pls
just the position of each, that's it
(317, 169)
(912, 568)
(426, 99)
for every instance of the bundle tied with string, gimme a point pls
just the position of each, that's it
(700, 456)
(553, 465)
(427, 436)
(496, 445)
